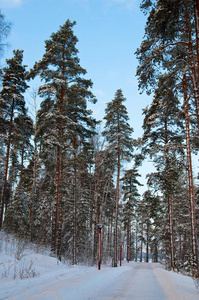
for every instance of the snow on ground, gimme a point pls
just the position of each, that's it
(54, 280)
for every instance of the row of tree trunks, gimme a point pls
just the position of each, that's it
(190, 176)
(57, 180)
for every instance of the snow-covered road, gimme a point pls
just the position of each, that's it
(131, 281)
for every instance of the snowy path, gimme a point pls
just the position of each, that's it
(131, 281)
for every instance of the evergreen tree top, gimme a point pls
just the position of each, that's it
(14, 81)
(117, 130)
(60, 60)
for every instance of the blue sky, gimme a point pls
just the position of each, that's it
(109, 32)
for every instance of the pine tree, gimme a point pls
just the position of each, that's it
(14, 86)
(171, 42)
(118, 134)
(67, 122)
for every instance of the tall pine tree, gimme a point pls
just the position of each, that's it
(64, 120)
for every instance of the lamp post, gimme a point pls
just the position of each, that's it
(100, 245)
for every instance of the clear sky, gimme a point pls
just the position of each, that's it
(109, 32)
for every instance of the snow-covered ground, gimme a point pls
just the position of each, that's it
(54, 280)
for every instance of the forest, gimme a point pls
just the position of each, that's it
(62, 178)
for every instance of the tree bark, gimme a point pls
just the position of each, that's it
(197, 33)
(136, 242)
(60, 221)
(117, 194)
(147, 242)
(141, 244)
(171, 232)
(128, 235)
(116, 211)
(75, 204)
(190, 176)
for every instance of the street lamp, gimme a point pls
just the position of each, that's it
(100, 250)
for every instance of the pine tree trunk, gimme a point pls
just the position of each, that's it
(75, 218)
(190, 175)
(197, 33)
(184, 246)
(141, 244)
(116, 214)
(128, 237)
(111, 236)
(60, 221)
(171, 232)
(136, 242)
(34, 194)
(6, 165)
(156, 251)
(180, 246)
(147, 242)
(170, 202)
(59, 234)
(55, 211)
(117, 198)
(35, 174)
(95, 241)
(75, 204)
(92, 196)
(155, 244)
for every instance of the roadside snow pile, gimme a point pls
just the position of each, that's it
(19, 260)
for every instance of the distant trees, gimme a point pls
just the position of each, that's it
(118, 134)
(131, 198)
